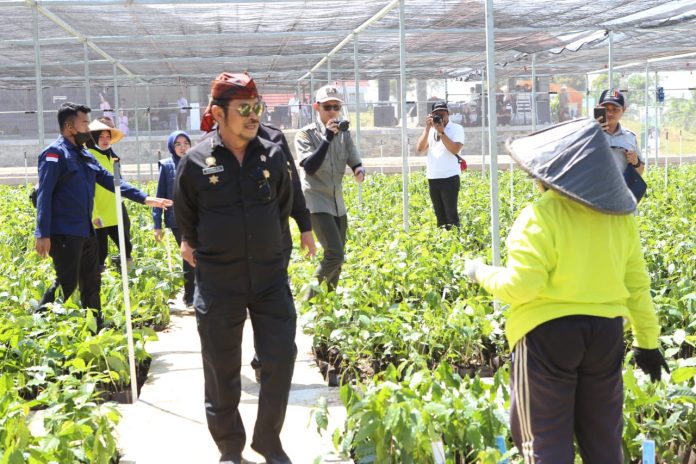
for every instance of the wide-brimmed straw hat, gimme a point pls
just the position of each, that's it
(98, 126)
(575, 159)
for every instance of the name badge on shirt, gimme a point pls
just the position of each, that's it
(213, 170)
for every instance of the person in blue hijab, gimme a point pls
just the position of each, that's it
(178, 144)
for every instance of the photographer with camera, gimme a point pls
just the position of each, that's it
(444, 140)
(325, 148)
(623, 141)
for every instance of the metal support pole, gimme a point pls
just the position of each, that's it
(587, 95)
(311, 97)
(149, 124)
(681, 148)
(37, 74)
(484, 105)
(311, 87)
(666, 151)
(88, 96)
(492, 135)
(534, 102)
(356, 72)
(116, 103)
(657, 125)
(611, 60)
(328, 70)
(138, 153)
(299, 106)
(404, 132)
(647, 124)
(512, 186)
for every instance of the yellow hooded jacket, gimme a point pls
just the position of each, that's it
(567, 259)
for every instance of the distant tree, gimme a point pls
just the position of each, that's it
(681, 112)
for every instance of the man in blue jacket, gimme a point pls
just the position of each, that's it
(68, 174)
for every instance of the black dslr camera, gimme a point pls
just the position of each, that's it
(343, 125)
(437, 119)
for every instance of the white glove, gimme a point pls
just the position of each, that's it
(471, 266)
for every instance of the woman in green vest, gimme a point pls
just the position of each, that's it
(104, 219)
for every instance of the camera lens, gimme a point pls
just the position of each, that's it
(343, 125)
(437, 119)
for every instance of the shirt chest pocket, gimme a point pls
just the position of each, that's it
(261, 183)
(340, 157)
(216, 192)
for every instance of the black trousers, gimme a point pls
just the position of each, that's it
(566, 381)
(331, 232)
(220, 326)
(75, 263)
(104, 233)
(444, 194)
(189, 277)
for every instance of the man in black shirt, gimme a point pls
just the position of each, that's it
(236, 196)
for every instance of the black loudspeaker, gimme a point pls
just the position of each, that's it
(384, 116)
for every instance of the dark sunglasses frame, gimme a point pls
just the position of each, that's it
(246, 109)
(331, 107)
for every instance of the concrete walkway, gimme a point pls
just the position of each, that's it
(167, 424)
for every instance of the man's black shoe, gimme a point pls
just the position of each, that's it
(256, 365)
(277, 458)
(231, 459)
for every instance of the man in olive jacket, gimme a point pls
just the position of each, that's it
(324, 150)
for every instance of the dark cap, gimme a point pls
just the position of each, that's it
(440, 106)
(612, 97)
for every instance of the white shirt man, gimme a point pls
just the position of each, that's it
(444, 140)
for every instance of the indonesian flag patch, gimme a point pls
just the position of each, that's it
(52, 157)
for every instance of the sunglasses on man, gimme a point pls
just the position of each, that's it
(331, 107)
(246, 109)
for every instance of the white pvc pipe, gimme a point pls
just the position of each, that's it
(138, 153)
(657, 125)
(402, 98)
(647, 124)
(587, 95)
(37, 74)
(492, 135)
(356, 72)
(168, 247)
(611, 60)
(149, 123)
(88, 96)
(666, 159)
(483, 122)
(124, 281)
(534, 102)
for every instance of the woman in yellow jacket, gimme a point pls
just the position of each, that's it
(574, 271)
(104, 217)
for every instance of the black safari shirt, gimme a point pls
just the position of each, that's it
(235, 216)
